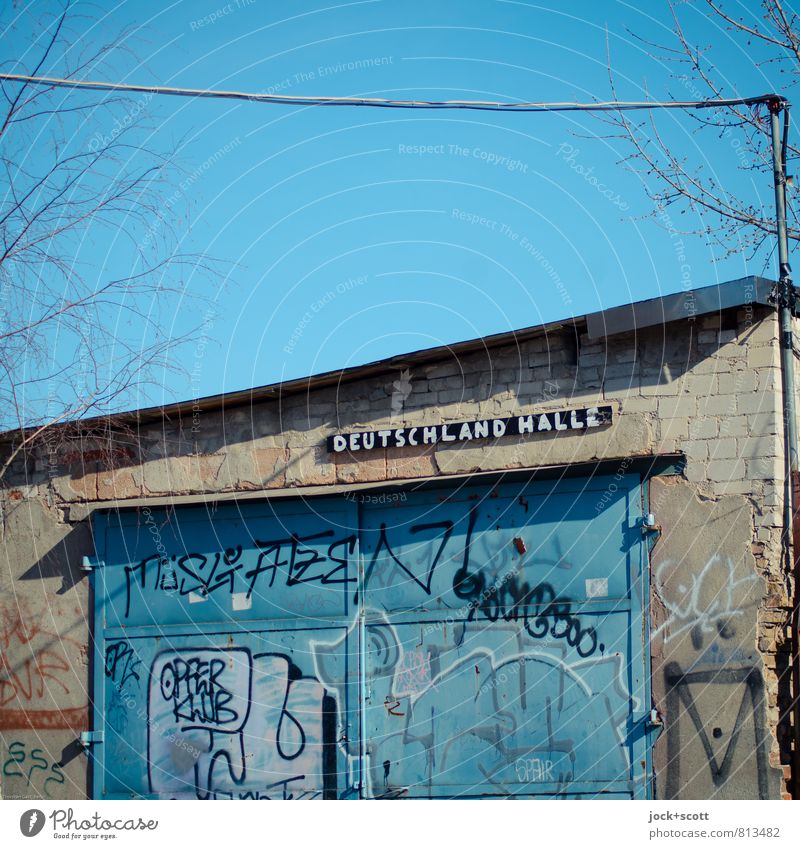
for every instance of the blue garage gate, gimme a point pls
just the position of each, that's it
(474, 640)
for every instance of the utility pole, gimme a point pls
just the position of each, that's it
(785, 301)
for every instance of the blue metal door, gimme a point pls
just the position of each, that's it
(213, 632)
(504, 651)
(469, 641)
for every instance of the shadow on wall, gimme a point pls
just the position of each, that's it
(63, 560)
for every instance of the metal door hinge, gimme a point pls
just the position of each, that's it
(91, 738)
(89, 563)
(653, 726)
(649, 525)
(654, 719)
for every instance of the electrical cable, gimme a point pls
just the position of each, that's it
(485, 105)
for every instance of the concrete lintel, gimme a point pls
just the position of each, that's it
(646, 465)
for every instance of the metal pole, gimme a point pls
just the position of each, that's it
(785, 303)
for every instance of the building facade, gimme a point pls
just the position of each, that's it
(546, 564)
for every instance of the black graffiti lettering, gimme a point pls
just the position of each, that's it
(558, 620)
(341, 562)
(540, 610)
(746, 683)
(196, 694)
(191, 565)
(301, 560)
(205, 574)
(286, 716)
(121, 663)
(539, 627)
(469, 585)
(573, 633)
(185, 564)
(230, 558)
(509, 600)
(299, 566)
(383, 543)
(277, 787)
(141, 568)
(291, 746)
(267, 549)
(214, 580)
(563, 621)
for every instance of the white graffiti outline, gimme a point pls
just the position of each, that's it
(692, 611)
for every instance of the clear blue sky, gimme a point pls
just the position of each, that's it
(355, 234)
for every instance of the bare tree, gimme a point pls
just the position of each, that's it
(732, 223)
(78, 172)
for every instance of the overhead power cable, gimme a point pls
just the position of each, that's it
(379, 102)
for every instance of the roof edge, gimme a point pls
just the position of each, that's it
(687, 304)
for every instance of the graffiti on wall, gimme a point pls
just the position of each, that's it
(707, 673)
(726, 745)
(38, 774)
(38, 684)
(450, 706)
(225, 723)
(713, 683)
(292, 561)
(709, 602)
(122, 665)
(497, 717)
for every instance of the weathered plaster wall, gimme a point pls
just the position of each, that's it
(707, 674)
(44, 655)
(697, 387)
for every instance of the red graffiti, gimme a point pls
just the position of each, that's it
(35, 668)
(392, 706)
(70, 719)
(30, 678)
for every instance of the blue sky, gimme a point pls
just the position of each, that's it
(349, 235)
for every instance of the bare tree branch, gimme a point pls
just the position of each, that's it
(728, 221)
(76, 340)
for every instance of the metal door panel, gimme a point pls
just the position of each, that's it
(245, 691)
(222, 716)
(418, 554)
(193, 565)
(504, 650)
